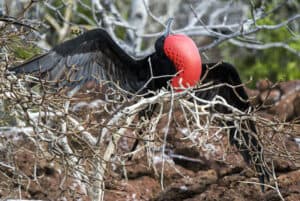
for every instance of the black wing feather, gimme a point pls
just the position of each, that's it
(244, 136)
(91, 56)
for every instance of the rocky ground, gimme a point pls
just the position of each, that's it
(189, 173)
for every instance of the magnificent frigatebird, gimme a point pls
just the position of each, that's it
(94, 55)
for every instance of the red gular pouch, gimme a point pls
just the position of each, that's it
(183, 52)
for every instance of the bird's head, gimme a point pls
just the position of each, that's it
(182, 51)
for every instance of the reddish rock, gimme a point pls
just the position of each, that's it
(280, 99)
(284, 109)
(268, 98)
(264, 85)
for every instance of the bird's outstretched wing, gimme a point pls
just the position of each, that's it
(227, 84)
(92, 55)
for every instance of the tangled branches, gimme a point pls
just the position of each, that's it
(55, 145)
(86, 136)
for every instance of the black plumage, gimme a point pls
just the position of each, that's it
(244, 136)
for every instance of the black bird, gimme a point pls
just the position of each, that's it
(94, 55)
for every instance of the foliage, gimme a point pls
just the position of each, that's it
(22, 49)
(275, 64)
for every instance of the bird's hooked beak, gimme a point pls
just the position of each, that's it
(168, 26)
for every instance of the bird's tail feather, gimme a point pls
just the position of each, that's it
(245, 139)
